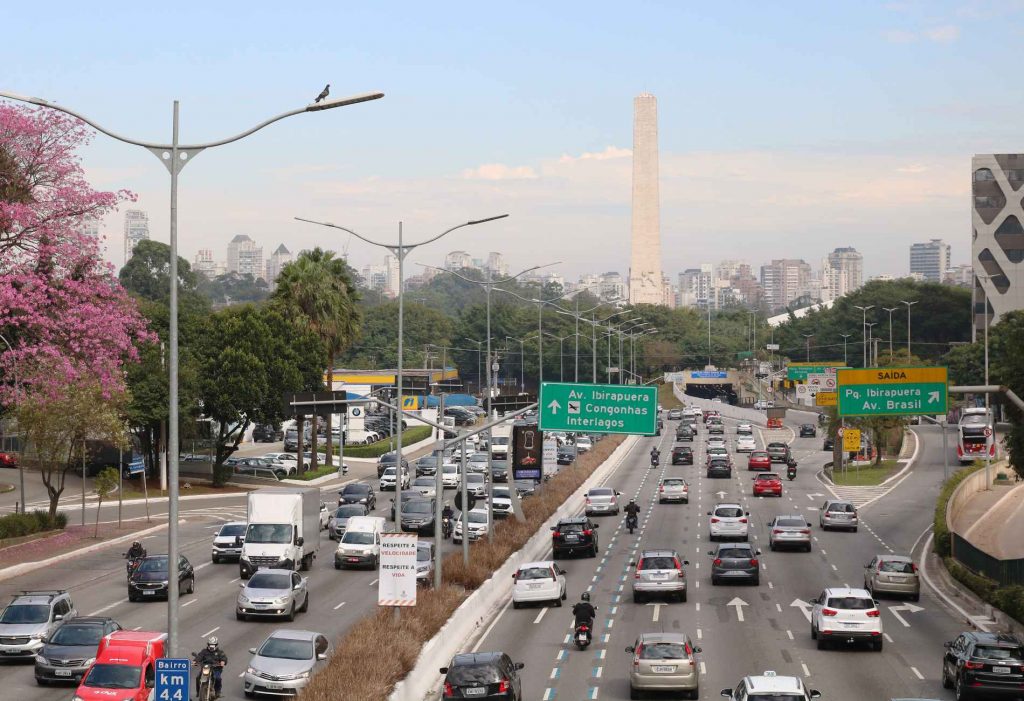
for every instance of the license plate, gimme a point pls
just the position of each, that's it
(659, 576)
(353, 559)
(474, 691)
(852, 625)
(1000, 670)
(663, 668)
(62, 672)
(271, 685)
(571, 538)
(533, 586)
(148, 593)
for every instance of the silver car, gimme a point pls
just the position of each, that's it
(892, 574)
(272, 592)
(789, 532)
(425, 563)
(674, 489)
(283, 664)
(659, 573)
(476, 484)
(601, 500)
(663, 662)
(838, 514)
(339, 519)
(31, 618)
(426, 486)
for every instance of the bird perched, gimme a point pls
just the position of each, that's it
(323, 93)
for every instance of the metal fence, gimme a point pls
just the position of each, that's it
(1006, 572)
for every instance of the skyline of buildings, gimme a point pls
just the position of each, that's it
(930, 260)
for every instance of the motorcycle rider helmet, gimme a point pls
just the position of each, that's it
(136, 544)
(585, 596)
(212, 643)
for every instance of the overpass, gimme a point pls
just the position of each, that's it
(708, 383)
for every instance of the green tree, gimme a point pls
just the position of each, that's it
(1006, 367)
(147, 274)
(377, 346)
(105, 483)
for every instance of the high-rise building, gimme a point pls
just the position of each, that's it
(245, 257)
(997, 251)
(391, 267)
(457, 260)
(204, 263)
(278, 259)
(645, 280)
(784, 281)
(930, 259)
(846, 268)
(612, 287)
(496, 265)
(136, 228)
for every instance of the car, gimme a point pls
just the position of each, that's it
(728, 521)
(771, 686)
(989, 664)
(716, 442)
(283, 663)
(837, 514)
(424, 562)
(663, 662)
(358, 493)
(476, 484)
(846, 615)
(719, 467)
(682, 455)
(684, 433)
(30, 618)
(601, 500)
(660, 426)
(744, 429)
(583, 444)
(272, 593)
(716, 427)
(67, 654)
(267, 433)
(789, 531)
(673, 489)
(424, 486)
(499, 472)
(525, 488)
(8, 460)
(418, 516)
(829, 443)
(573, 535)
(267, 473)
(478, 522)
(149, 578)
(477, 463)
(808, 431)
(501, 501)
(892, 574)
(759, 460)
(451, 475)
(282, 467)
(339, 519)
(388, 460)
(407, 496)
(565, 455)
(745, 444)
(538, 582)
(659, 572)
(767, 484)
(389, 477)
(325, 515)
(734, 562)
(482, 675)
(290, 459)
(778, 452)
(675, 414)
(426, 465)
(227, 544)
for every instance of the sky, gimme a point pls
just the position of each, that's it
(785, 129)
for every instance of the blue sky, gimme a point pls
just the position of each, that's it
(786, 129)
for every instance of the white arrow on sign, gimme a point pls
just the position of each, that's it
(909, 608)
(933, 397)
(657, 610)
(554, 406)
(805, 608)
(739, 604)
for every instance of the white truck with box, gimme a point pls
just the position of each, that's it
(501, 435)
(283, 530)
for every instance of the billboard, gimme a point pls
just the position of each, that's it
(527, 451)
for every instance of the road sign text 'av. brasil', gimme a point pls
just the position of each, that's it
(598, 408)
(892, 391)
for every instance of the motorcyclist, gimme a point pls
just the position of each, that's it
(448, 512)
(632, 509)
(215, 657)
(655, 456)
(135, 552)
(584, 612)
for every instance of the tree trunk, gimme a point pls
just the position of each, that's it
(313, 424)
(329, 450)
(99, 505)
(300, 428)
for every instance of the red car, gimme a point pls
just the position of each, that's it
(767, 484)
(759, 460)
(8, 460)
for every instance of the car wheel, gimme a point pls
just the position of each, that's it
(946, 683)
(695, 693)
(854, 529)
(916, 597)
(192, 585)
(291, 613)
(132, 598)
(661, 501)
(771, 546)
(565, 594)
(249, 694)
(337, 565)
(240, 616)
(305, 604)
(215, 559)
(682, 597)
(814, 632)
(558, 602)
(633, 693)
(959, 690)
(714, 581)
(822, 644)
(42, 682)
(637, 599)
(808, 547)
(877, 645)
(757, 581)
(593, 550)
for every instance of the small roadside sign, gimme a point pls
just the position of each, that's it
(851, 439)
(137, 466)
(588, 408)
(172, 677)
(397, 583)
(825, 398)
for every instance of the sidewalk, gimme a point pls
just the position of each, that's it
(993, 520)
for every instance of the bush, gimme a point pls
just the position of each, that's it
(19, 525)
(375, 450)
(943, 547)
(982, 586)
(1010, 600)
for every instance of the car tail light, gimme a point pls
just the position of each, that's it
(805, 531)
(717, 562)
(662, 488)
(714, 520)
(588, 532)
(828, 612)
(587, 499)
(913, 567)
(873, 613)
(743, 520)
(448, 690)
(754, 562)
(556, 534)
(973, 665)
(776, 531)
(676, 563)
(503, 686)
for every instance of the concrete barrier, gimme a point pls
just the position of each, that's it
(965, 490)
(470, 619)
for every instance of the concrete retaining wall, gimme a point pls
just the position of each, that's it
(965, 490)
(471, 618)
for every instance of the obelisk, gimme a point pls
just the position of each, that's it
(645, 283)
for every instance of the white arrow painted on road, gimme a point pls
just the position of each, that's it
(554, 406)
(657, 610)
(720, 495)
(812, 496)
(909, 608)
(805, 608)
(739, 604)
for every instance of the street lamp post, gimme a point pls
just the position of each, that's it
(479, 365)
(21, 442)
(887, 309)
(870, 327)
(808, 336)
(845, 336)
(522, 366)
(910, 304)
(175, 156)
(561, 366)
(863, 328)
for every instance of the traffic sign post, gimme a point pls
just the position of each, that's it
(851, 440)
(825, 398)
(798, 372)
(892, 391)
(588, 408)
(172, 676)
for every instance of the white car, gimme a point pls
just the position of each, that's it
(426, 486)
(845, 615)
(325, 515)
(746, 444)
(744, 430)
(477, 463)
(583, 444)
(478, 524)
(387, 479)
(287, 458)
(716, 442)
(501, 501)
(476, 484)
(728, 521)
(538, 582)
(450, 475)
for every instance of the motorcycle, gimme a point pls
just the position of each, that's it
(655, 459)
(205, 685)
(581, 635)
(631, 522)
(791, 470)
(446, 527)
(132, 563)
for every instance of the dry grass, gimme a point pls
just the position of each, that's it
(380, 650)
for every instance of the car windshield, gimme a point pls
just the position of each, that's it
(477, 517)
(423, 482)
(674, 483)
(265, 580)
(285, 649)
(535, 573)
(390, 472)
(759, 454)
(729, 511)
(26, 613)
(232, 530)
(850, 603)
(418, 507)
(734, 552)
(357, 538)
(770, 476)
(500, 493)
(473, 477)
(992, 652)
(842, 508)
(660, 562)
(790, 522)
(449, 469)
(975, 420)
(499, 440)
(268, 533)
(570, 527)
(350, 510)
(153, 564)
(896, 566)
(776, 696)
(423, 555)
(662, 651)
(356, 489)
(78, 635)
(601, 492)
(113, 676)
(462, 675)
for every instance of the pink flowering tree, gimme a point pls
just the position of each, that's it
(61, 307)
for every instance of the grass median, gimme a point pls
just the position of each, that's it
(667, 398)
(865, 475)
(394, 644)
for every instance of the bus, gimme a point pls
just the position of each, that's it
(974, 436)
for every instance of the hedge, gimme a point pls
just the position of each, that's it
(1009, 600)
(375, 450)
(943, 540)
(18, 525)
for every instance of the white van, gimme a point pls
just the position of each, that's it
(360, 545)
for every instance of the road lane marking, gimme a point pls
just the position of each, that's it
(700, 634)
(916, 673)
(592, 694)
(106, 608)
(199, 567)
(339, 606)
(555, 671)
(789, 633)
(209, 632)
(189, 602)
(887, 638)
(807, 672)
(703, 669)
(232, 581)
(373, 582)
(549, 694)
(490, 627)
(597, 672)
(540, 615)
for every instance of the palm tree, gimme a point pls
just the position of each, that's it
(319, 289)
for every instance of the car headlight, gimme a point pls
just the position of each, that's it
(242, 599)
(281, 600)
(250, 670)
(41, 660)
(89, 662)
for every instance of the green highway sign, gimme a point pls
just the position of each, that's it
(798, 372)
(598, 408)
(892, 391)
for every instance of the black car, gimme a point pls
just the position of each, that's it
(149, 578)
(684, 433)
(778, 452)
(357, 493)
(499, 473)
(574, 535)
(565, 455)
(407, 496)
(482, 675)
(682, 455)
(64, 656)
(984, 665)
(808, 431)
(418, 515)
(388, 460)
(829, 444)
(719, 467)
(266, 433)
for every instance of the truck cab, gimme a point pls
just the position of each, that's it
(283, 529)
(125, 667)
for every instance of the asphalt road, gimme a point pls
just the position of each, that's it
(774, 632)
